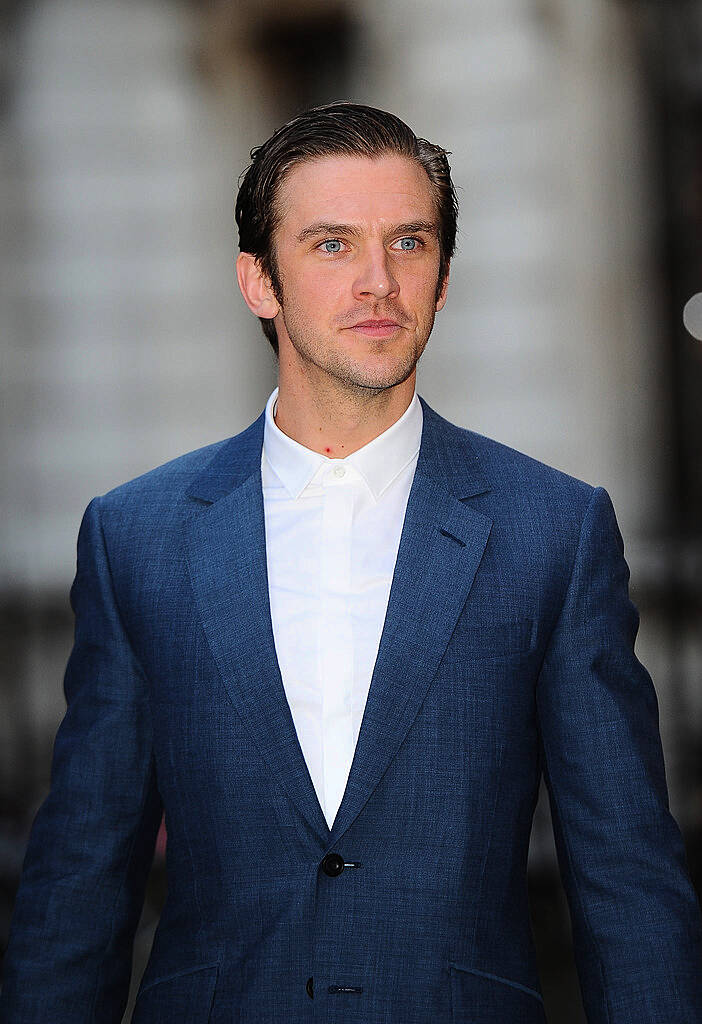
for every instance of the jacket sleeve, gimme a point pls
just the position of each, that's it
(636, 920)
(91, 845)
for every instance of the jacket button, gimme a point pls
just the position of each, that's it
(333, 865)
(310, 987)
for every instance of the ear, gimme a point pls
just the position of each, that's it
(441, 301)
(255, 287)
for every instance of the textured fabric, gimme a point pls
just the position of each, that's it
(507, 650)
(332, 532)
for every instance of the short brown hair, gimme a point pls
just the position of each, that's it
(334, 129)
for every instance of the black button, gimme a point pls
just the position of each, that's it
(333, 865)
(310, 987)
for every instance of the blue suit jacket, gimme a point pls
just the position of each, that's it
(507, 650)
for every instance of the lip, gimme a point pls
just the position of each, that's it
(376, 328)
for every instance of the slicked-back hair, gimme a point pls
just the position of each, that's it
(334, 129)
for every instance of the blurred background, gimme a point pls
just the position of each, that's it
(575, 128)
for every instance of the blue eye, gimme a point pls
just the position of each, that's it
(409, 244)
(332, 242)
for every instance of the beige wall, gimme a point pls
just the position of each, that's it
(124, 339)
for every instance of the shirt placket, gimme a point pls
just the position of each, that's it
(335, 639)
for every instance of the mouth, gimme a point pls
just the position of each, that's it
(376, 328)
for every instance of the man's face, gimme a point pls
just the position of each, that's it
(357, 252)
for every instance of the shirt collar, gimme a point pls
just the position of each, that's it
(379, 462)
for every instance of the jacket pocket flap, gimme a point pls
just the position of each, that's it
(478, 997)
(184, 997)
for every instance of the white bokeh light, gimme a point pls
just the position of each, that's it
(692, 316)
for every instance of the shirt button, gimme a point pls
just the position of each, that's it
(339, 471)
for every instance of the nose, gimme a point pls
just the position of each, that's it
(375, 277)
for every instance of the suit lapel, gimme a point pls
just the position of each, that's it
(441, 546)
(226, 545)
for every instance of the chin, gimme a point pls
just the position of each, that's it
(380, 379)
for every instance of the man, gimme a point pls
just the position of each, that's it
(339, 649)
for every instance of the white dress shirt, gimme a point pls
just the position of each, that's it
(332, 533)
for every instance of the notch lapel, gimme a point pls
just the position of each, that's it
(226, 550)
(441, 546)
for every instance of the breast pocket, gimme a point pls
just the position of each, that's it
(182, 998)
(481, 998)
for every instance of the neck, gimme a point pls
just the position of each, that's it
(337, 422)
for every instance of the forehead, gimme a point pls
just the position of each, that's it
(355, 189)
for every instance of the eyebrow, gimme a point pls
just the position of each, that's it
(326, 228)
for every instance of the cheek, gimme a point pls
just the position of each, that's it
(317, 293)
(420, 282)
(425, 298)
